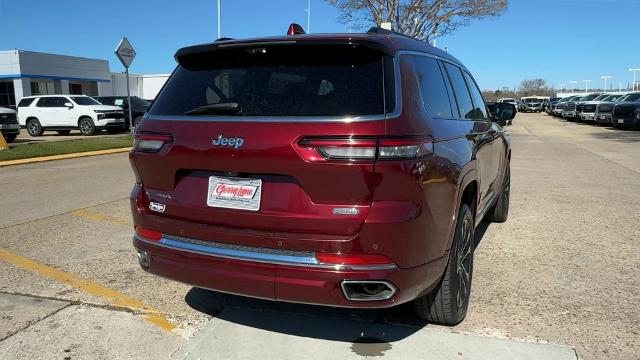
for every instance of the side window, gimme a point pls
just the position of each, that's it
(60, 101)
(44, 102)
(433, 90)
(465, 105)
(25, 102)
(117, 102)
(480, 110)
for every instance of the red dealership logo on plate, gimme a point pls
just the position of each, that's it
(235, 191)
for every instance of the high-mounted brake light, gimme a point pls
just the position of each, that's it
(295, 29)
(148, 234)
(364, 149)
(150, 142)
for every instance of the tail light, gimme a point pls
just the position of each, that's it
(364, 149)
(352, 259)
(150, 142)
(148, 234)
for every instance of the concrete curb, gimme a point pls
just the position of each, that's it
(62, 157)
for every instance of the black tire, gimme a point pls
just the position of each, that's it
(448, 303)
(63, 132)
(34, 128)
(500, 210)
(10, 138)
(86, 126)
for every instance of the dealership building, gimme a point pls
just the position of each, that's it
(24, 73)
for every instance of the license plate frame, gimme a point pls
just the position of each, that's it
(234, 193)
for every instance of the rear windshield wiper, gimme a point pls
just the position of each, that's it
(229, 108)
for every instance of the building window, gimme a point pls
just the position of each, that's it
(7, 94)
(75, 89)
(35, 88)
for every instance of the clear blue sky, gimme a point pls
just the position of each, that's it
(557, 40)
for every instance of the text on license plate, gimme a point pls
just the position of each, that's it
(234, 193)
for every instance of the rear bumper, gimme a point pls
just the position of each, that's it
(285, 282)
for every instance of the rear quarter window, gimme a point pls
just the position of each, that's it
(433, 89)
(25, 102)
(301, 80)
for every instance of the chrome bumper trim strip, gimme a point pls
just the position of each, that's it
(254, 254)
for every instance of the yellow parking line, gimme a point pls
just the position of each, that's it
(83, 213)
(114, 297)
(63, 156)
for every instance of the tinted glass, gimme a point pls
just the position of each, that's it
(480, 110)
(432, 86)
(632, 97)
(52, 102)
(590, 97)
(84, 100)
(105, 100)
(136, 101)
(25, 102)
(297, 80)
(465, 105)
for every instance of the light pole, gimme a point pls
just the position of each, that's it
(561, 87)
(634, 77)
(308, 17)
(586, 85)
(620, 86)
(605, 78)
(573, 84)
(219, 31)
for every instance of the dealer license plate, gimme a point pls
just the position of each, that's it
(234, 193)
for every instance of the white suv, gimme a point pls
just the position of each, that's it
(64, 113)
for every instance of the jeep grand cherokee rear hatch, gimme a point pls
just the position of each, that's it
(273, 137)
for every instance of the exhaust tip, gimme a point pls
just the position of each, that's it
(367, 290)
(143, 259)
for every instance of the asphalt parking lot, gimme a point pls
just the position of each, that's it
(564, 270)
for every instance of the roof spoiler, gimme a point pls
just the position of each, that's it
(237, 44)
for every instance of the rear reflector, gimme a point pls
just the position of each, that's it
(353, 259)
(148, 234)
(363, 149)
(150, 142)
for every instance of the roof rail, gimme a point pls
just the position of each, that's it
(379, 30)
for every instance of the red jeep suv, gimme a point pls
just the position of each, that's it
(346, 170)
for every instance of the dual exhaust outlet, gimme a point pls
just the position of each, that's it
(367, 290)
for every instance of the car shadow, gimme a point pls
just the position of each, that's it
(626, 135)
(373, 328)
(369, 330)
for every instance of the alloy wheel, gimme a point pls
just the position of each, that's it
(464, 262)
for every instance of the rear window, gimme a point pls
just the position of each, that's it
(297, 80)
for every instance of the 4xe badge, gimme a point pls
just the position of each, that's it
(235, 142)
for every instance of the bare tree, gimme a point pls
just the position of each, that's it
(533, 85)
(422, 19)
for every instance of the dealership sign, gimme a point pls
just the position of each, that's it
(125, 52)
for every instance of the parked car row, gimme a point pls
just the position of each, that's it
(617, 110)
(63, 113)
